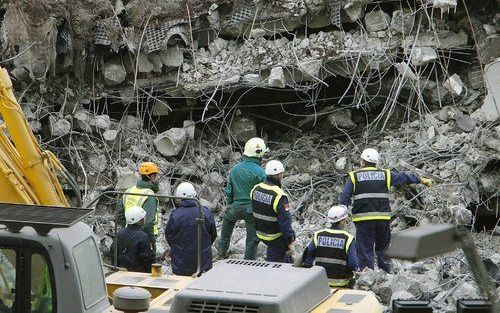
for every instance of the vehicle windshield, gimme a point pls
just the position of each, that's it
(88, 264)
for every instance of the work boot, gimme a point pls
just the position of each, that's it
(223, 254)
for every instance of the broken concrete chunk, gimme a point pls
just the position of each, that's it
(454, 84)
(355, 8)
(466, 123)
(125, 178)
(59, 127)
(490, 30)
(277, 77)
(449, 40)
(81, 121)
(341, 163)
(172, 57)
(252, 79)
(423, 55)
(461, 215)
(161, 108)
(310, 69)
(190, 127)
(100, 122)
(444, 5)
(257, 33)
(242, 128)
(171, 142)
(114, 72)
(402, 22)
(377, 20)
(143, 64)
(110, 136)
(133, 122)
(405, 70)
(490, 110)
(341, 119)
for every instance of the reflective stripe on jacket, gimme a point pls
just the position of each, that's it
(371, 194)
(265, 199)
(332, 249)
(137, 200)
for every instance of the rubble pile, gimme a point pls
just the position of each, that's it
(185, 83)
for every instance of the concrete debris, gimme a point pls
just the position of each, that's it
(172, 57)
(423, 55)
(125, 177)
(277, 78)
(341, 119)
(466, 123)
(377, 20)
(171, 142)
(110, 136)
(490, 110)
(317, 97)
(114, 72)
(59, 127)
(402, 22)
(242, 128)
(454, 84)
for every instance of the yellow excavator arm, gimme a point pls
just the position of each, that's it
(27, 173)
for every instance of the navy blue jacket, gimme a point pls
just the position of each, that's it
(352, 258)
(135, 252)
(182, 236)
(397, 179)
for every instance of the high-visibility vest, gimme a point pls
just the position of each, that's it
(265, 199)
(371, 194)
(137, 200)
(331, 252)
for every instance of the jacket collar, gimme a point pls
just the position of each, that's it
(336, 227)
(147, 184)
(134, 227)
(186, 204)
(251, 159)
(272, 181)
(368, 168)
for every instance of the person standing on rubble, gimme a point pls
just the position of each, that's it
(369, 187)
(181, 233)
(273, 221)
(334, 249)
(147, 187)
(242, 178)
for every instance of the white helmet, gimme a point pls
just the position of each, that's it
(185, 190)
(134, 215)
(370, 155)
(337, 213)
(255, 147)
(274, 167)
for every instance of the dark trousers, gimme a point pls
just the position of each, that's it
(277, 251)
(370, 236)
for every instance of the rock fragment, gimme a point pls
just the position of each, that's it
(114, 72)
(59, 127)
(277, 77)
(171, 142)
(377, 20)
(242, 128)
(454, 84)
(402, 22)
(423, 55)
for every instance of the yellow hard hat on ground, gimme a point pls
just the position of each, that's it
(147, 168)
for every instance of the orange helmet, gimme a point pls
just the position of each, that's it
(147, 168)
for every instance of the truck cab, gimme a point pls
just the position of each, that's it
(49, 266)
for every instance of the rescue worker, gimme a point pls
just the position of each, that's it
(334, 249)
(242, 178)
(135, 251)
(181, 233)
(147, 186)
(273, 221)
(369, 187)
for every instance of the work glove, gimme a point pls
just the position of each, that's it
(427, 181)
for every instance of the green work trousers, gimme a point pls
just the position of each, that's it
(231, 217)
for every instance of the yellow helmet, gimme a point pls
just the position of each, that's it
(147, 168)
